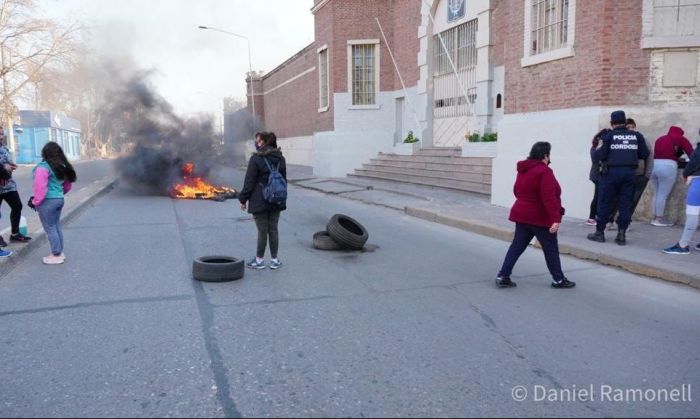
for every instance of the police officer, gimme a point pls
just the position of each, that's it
(619, 156)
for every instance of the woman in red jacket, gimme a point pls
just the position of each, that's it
(537, 213)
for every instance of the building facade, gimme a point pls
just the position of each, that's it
(528, 70)
(40, 127)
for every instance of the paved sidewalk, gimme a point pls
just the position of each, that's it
(473, 212)
(76, 201)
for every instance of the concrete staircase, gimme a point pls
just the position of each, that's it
(437, 167)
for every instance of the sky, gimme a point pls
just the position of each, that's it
(194, 69)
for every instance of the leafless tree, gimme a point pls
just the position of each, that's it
(29, 46)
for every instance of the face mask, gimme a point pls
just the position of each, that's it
(257, 146)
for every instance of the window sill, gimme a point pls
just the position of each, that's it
(670, 42)
(364, 107)
(557, 54)
(324, 109)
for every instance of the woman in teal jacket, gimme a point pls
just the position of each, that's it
(53, 178)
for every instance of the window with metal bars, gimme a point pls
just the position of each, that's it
(676, 17)
(363, 74)
(549, 26)
(460, 47)
(323, 79)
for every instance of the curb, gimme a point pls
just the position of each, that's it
(39, 236)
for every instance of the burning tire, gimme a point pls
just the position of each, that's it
(217, 268)
(322, 241)
(347, 232)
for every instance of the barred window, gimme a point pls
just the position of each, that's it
(460, 46)
(363, 74)
(676, 17)
(549, 25)
(323, 79)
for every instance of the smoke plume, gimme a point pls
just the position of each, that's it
(157, 141)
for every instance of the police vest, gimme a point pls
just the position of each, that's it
(624, 148)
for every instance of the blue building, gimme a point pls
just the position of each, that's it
(40, 127)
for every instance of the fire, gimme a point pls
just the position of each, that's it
(194, 187)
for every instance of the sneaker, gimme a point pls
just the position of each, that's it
(591, 222)
(19, 238)
(254, 264)
(275, 264)
(52, 260)
(611, 227)
(697, 247)
(3, 243)
(564, 283)
(676, 249)
(5, 253)
(504, 282)
(661, 223)
(598, 236)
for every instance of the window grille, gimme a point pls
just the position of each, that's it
(550, 25)
(323, 78)
(363, 74)
(460, 42)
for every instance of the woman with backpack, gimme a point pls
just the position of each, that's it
(264, 195)
(53, 178)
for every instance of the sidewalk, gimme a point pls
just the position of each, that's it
(77, 201)
(472, 212)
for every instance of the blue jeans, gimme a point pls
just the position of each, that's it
(50, 216)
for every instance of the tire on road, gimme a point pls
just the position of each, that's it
(322, 241)
(218, 268)
(347, 232)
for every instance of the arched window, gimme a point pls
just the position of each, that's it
(499, 101)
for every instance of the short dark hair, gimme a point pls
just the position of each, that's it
(630, 121)
(539, 150)
(270, 139)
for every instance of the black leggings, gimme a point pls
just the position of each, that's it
(15, 204)
(267, 226)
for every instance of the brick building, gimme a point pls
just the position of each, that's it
(528, 70)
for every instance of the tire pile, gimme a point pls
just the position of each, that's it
(342, 233)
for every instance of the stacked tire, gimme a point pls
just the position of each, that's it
(342, 233)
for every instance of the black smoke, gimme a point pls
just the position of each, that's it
(156, 142)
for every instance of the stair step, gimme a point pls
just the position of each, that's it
(461, 185)
(451, 151)
(450, 166)
(439, 173)
(483, 161)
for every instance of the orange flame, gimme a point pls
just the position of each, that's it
(194, 187)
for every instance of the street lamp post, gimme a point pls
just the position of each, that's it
(250, 63)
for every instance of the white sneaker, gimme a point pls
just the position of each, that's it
(661, 223)
(53, 260)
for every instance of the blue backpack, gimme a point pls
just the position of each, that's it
(275, 192)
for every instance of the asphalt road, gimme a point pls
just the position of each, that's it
(412, 326)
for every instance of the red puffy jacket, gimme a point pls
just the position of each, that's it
(538, 195)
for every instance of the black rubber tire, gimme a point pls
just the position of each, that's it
(218, 268)
(322, 241)
(347, 232)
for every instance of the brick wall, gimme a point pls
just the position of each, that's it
(603, 72)
(405, 44)
(291, 105)
(323, 27)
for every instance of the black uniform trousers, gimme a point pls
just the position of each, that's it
(617, 185)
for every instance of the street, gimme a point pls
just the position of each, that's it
(122, 330)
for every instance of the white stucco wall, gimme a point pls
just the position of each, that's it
(360, 133)
(570, 132)
(297, 150)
